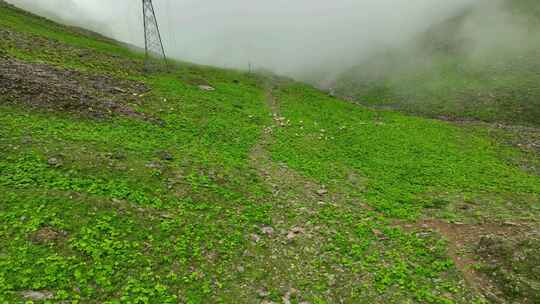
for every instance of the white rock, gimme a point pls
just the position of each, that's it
(37, 295)
(322, 192)
(267, 230)
(206, 88)
(256, 238)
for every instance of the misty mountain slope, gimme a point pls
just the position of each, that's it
(124, 187)
(482, 65)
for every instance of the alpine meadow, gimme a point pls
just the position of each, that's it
(292, 155)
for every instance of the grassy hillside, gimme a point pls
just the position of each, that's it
(124, 187)
(483, 65)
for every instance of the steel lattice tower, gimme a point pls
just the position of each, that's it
(153, 45)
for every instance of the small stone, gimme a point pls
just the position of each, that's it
(332, 280)
(511, 224)
(164, 155)
(240, 269)
(255, 238)
(37, 295)
(287, 297)
(117, 155)
(45, 235)
(206, 88)
(26, 140)
(166, 215)
(54, 162)
(423, 234)
(296, 231)
(263, 293)
(153, 165)
(119, 90)
(322, 192)
(379, 234)
(267, 230)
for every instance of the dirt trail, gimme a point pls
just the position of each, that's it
(296, 236)
(297, 193)
(287, 184)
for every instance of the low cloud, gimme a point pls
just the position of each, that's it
(299, 38)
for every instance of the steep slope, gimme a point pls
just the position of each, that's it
(482, 65)
(121, 187)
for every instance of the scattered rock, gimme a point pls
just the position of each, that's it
(511, 224)
(424, 234)
(46, 235)
(465, 207)
(287, 297)
(322, 192)
(45, 86)
(164, 155)
(267, 230)
(26, 140)
(166, 215)
(206, 88)
(119, 90)
(379, 234)
(153, 165)
(263, 293)
(293, 233)
(511, 263)
(255, 238)
(281, 121)
(332, 280)
(490, 244)
(83, 53)
(117, 201)
(268, 130)
(37, 295)
(55, 162)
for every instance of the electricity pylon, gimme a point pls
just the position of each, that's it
(153, 45)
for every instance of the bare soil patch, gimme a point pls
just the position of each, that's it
(47, 235)
(50, 88)
(496, 259)
(523, 137)
(527, 138)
